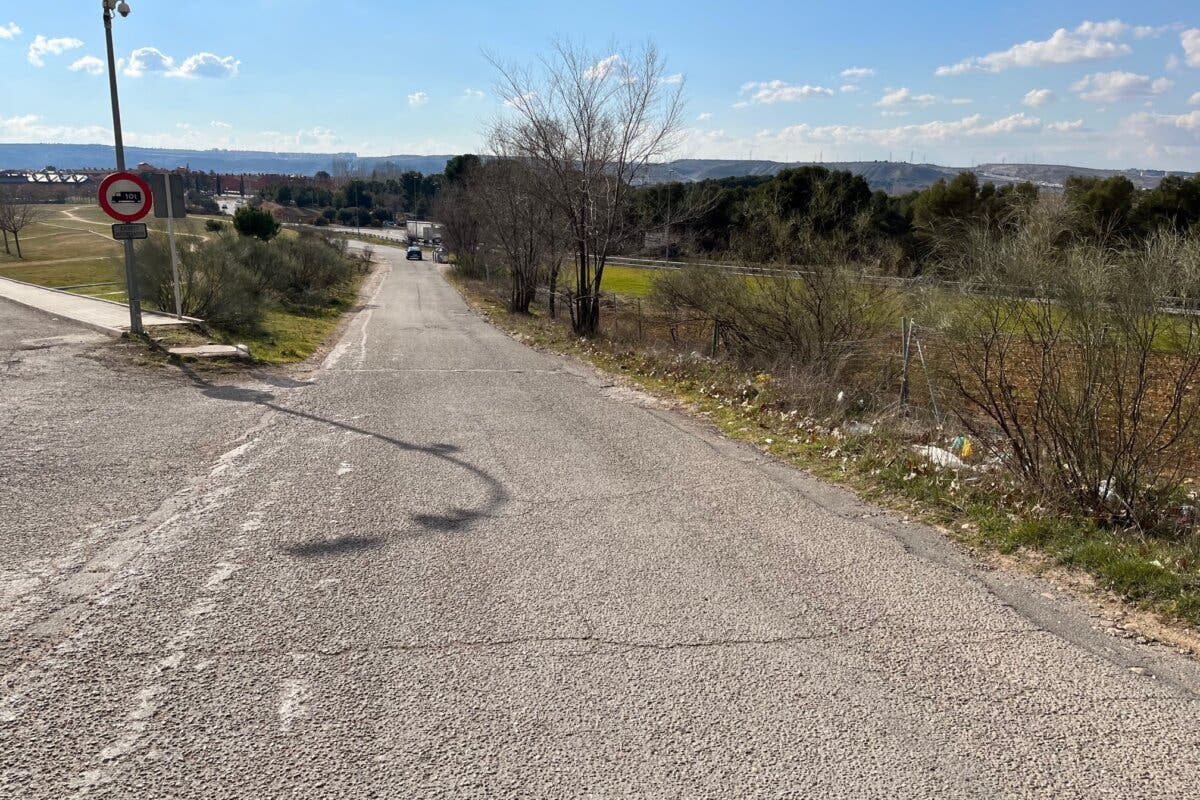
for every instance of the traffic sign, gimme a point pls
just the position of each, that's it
(125, 197)
(129, 230)
(169, 198)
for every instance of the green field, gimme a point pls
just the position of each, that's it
(72, 247)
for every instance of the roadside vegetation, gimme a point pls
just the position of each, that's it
(281, 295)
(1019, 367)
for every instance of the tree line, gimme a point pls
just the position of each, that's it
(793, 216)
(360, 201)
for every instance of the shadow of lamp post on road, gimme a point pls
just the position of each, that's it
(455, 519)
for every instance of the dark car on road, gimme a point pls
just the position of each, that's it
(414, 253)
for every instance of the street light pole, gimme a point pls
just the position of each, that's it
(131, 284)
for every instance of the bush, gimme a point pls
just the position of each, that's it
(216, 281)
(307, 270)
(1064, 355)
(229, 281)
(320, 222)
(214, 225)
(807, 318)
(250, 221)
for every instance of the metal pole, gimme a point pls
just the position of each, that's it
(174, 253)
(131, 284)
(667, 228)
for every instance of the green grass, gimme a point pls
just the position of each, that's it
(289, 334)
(627, 280)
(72, 246)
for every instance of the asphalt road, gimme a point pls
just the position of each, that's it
(443, 565)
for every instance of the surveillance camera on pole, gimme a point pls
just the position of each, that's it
(131, 283)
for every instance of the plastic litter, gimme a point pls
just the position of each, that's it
(940, 456)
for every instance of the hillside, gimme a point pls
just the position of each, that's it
(97, 156)
(894, 177)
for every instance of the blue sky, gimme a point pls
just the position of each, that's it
(1095, 83)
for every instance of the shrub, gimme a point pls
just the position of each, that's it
(806, 317)
(308, 269)
(216, 281)
(250, 221)
(320, 222)
(214, 225)
(1066, 355)
(206, 204)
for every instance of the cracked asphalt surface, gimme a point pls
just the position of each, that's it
(441, 564)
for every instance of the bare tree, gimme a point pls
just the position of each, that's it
(513, 221)
(589, 125)
(458, 215)
(15, 217)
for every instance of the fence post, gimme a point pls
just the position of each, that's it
(905, 334)
(639, 317)
(716, 337)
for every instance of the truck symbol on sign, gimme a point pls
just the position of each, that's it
(127, 197)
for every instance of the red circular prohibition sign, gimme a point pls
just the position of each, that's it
(124, 196)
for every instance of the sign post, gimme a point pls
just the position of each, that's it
(126, 198)
(174, 252)
(169, 202)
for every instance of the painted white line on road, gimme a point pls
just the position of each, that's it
(294, 697)
(345, 469)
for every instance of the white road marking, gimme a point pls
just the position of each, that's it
(345, 469)
(294, 697)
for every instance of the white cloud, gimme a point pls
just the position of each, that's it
(1063, 47)
(1065, 127)
(771, 92)
(921, 133)
(31, 128)
(673, 80)
(1111, 87)
(206, 65)
(857, 73)
(216, 123)
(521, 100)
(704, 117)
(1010, 124)
(1194, 100)
(147, 59)
(893, 113)
(1036, 98)
(1147, 31)
(602, 68)
(904, 97)
(9, 31)
(199, 65)
(472, 94)
(848, 87)
(41, 47)
(1109, 29)
(1172, 62)
(1190, 39)
(417, 99)
(1165, 140)
(89, 64)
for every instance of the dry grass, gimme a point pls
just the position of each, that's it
(72, 246)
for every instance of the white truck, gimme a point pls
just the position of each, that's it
(423, 231)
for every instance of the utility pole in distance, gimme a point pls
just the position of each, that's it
(131, 284)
